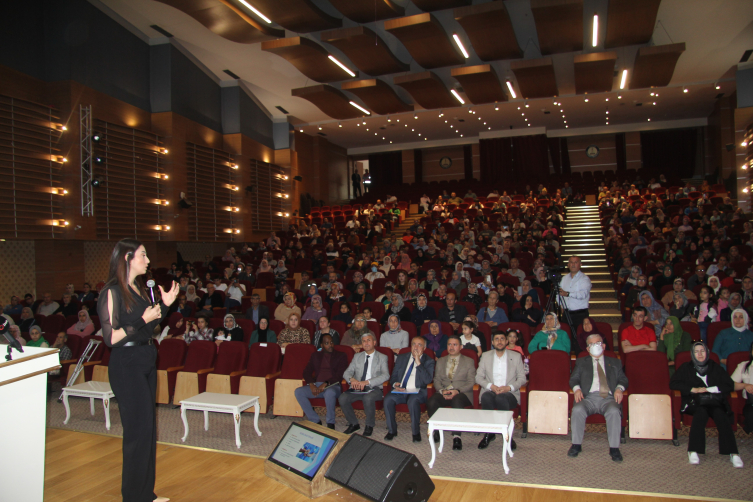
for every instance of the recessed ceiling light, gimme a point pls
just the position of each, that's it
(586, 100)
(718, 87)
(511, 89)
(623, 80)
(457, 96)
(460, 45)
(255, 11)
(595, 37)
(338, 63)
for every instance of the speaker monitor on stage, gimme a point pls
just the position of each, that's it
(380, 472)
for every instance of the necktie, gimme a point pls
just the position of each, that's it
(365, 368)
(407, 375)
(603, 389)
(453, 365)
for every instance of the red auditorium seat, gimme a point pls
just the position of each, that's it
(263, 369)
(170, 357)
(297, 355)
(549, 370)
(191, 379)
(228, 369)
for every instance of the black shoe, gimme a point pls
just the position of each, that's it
(574, 450)
(318, 423)
(331, 426)
(367, 431)
(436, 437)
(351, 429)
(513, 445)
(457, 444)
(416, 438)
(488, 438)
(615, 454)
(388, 437)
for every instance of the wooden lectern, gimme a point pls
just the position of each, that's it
(318, 486)
(23, 411)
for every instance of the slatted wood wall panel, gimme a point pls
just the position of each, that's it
(129, 166)
(30, 165)
(268, 200)
(213, 190)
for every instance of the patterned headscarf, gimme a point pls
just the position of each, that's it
(398, 323)
(432, 341)
(397, 304)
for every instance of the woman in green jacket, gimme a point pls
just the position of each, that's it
(673, 340)
(551, 337)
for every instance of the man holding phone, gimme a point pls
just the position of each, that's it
(413, 371)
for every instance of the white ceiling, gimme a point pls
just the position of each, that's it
(716, 33)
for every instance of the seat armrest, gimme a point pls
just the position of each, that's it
(476, 386)
(92, 363)
(523, 389)
(273, 375)
(733, 395)
(69, 361)
(175, 368)
(204, 371)
(676, 393)
(237, 373)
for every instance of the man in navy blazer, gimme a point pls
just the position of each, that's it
(413, 371)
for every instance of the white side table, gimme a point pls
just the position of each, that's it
(488, 421)
(220, 403)
(93, 390)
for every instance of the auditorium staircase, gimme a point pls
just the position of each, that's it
(582, 237)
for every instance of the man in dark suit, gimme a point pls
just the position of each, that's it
(413, 371)
(598, 383)
(326, 367)
(452, 313)
(257, 310)
(454, 377)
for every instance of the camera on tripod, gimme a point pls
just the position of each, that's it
(555, 274)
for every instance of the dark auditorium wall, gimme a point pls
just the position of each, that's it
(580, 162)
(324, 168)
(430, 163)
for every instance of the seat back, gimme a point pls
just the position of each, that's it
(297, 356)
(77, 346)
(52, 324)
(171, 353)
(231, 357)
(647, 372)
(693, 330)
(248, 327)
(263, 359)
(347, 350)
(200, 356)
(736, 358)
(549, 370)
(390, 357)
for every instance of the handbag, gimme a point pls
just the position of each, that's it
(707, 399)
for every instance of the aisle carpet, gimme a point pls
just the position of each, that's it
(649, 466)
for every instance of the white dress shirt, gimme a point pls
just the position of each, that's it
(370, 361)
(578, 289)
(499, 373)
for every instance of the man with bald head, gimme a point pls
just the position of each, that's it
(575, 290)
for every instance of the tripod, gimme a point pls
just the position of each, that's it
(557, 305)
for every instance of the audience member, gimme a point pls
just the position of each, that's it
(322, 376)
(743, 379)
(452, 313)
(262, 333)
(365, 376)
(84, 326)
(283, 311)
(35, 333)
(293, 332)
(324, 328)
(551, 336)
(47, 307)
(230, 331)
(395, 337)
(737, 338)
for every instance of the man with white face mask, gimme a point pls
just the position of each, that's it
(598, 383)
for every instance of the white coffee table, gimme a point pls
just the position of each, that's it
(92, 390)
(221, 403)
(488, 421)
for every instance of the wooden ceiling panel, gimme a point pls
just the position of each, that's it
(594, 72)
(630, 22)
(365, 49)
(427, 89)
(559, 24)
(378, 96)
(426, 40)
(480, 83)
(655, 65)
(301, 16)
(310, 58)
(226, 20)
(330, 100)
(490, 31)
(368, 11)
(535, 78)
(432, 5)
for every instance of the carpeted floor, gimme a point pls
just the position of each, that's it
(649, 466)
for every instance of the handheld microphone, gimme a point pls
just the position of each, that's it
(150, 284)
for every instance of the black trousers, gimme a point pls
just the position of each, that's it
(133, 378)
(701, 415)
(356, 190)
(748, 418)
(502, 402)
(577, 316)
(437, 401)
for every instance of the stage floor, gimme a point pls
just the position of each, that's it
(86, 467)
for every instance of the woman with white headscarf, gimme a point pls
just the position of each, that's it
(551, 336)
(395, 337)
(714, 284)
(84, 326)
(737, 338)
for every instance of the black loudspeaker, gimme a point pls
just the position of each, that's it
(380, 472)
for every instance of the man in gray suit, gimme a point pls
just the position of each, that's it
(413, 371)
(501, 375)
(366, 374)
(598, 383)
(454, 377)
(257, 311)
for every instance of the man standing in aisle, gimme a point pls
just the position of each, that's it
(575, 290)
(355, 178)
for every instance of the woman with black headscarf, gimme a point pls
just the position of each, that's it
(704, 386)
(397, 307)
(263, 333)
(527, 312)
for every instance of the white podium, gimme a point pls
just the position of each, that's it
(23, 405)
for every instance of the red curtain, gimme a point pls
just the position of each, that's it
(522, 159)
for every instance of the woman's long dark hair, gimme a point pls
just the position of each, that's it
(120, 268)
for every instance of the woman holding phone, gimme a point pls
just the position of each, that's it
(128, 319)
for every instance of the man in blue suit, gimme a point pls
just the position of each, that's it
(413, 371)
